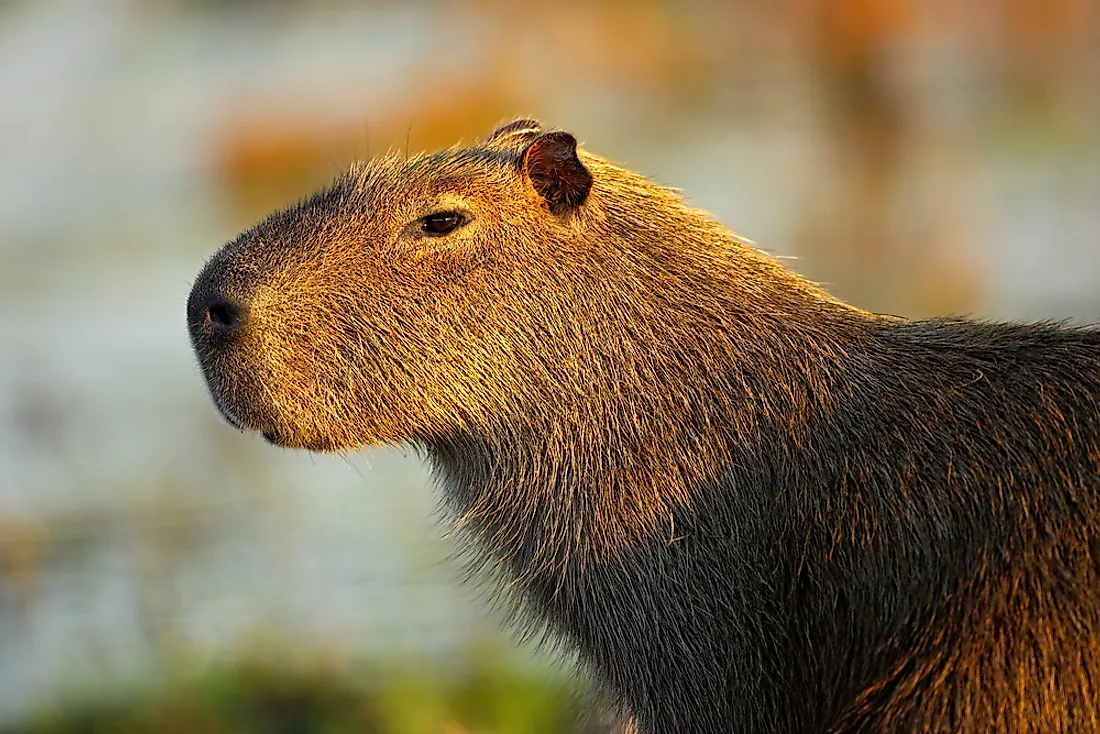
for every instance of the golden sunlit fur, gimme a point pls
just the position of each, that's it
(746, 505)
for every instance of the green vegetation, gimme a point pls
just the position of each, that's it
(485, 697)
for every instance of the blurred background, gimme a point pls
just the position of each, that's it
(160, 572)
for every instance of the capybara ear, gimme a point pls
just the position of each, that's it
(523, 125)
(554, 169)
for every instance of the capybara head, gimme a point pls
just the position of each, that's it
(418, 297)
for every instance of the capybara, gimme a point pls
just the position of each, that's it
(744, 504)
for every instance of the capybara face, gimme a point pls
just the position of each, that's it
(412, 296)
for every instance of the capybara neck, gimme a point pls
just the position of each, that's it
(693, 369)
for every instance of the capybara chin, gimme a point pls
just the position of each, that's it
(745, 505)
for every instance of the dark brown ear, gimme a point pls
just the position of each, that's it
(551, 163)
(515, 126)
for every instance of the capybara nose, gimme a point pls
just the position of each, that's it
(223, 316)
(213, 314)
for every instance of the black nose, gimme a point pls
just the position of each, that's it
(215, 311)
(223, 316)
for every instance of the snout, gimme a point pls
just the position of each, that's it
(218, 308)
(220, 315)
(271, 361)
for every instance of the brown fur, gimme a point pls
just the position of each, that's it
(747, 505)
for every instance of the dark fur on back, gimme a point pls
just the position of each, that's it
(747, 506)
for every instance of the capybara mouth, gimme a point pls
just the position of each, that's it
(246, 399)
(241, 424)
(291, 440)
(226, 414)
(248, 416)
(275, 432)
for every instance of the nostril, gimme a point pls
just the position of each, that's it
(224, 316)
(219, 306)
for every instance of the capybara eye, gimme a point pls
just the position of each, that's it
(441, 223)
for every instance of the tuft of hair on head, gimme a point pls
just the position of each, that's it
(521, 126)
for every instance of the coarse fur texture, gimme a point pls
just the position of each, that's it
(746, 505)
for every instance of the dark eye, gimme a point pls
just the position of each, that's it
(441, 223)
